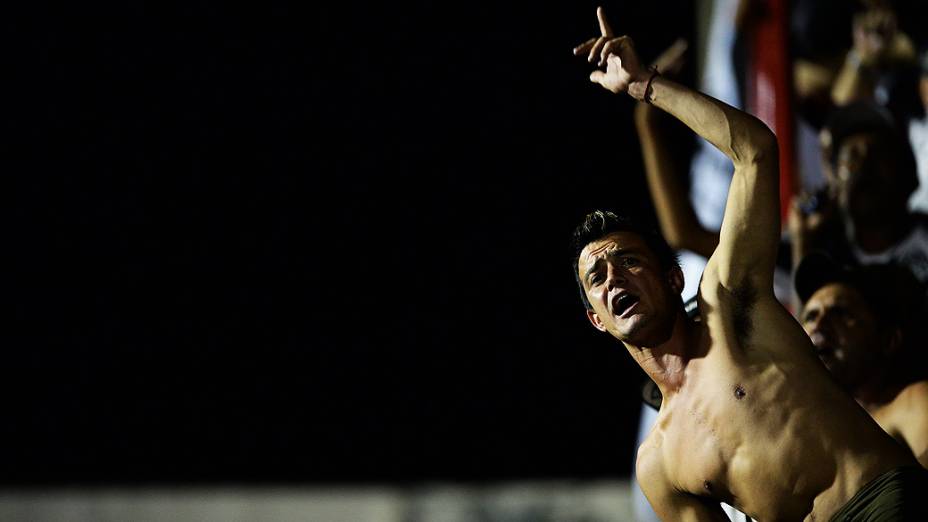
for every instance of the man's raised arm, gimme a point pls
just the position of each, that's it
(751, 227)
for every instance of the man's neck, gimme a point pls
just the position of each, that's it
(666, 362)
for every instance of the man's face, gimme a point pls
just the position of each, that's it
(843, 331)
(633, 298)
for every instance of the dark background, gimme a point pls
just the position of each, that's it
(314, 243)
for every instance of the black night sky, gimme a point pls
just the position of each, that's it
(307, 243)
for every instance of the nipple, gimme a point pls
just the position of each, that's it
(739, 392)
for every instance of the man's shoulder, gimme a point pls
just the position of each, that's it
(911, 418)
(649, 465)
(914, 395)
(911, 399)
(651, 449)
(656, 473)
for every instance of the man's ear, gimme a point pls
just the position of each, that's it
(675, 275)
(597, 322)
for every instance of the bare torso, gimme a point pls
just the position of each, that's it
(757, 422)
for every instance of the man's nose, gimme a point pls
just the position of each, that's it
(616, 276)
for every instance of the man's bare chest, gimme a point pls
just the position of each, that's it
(730, 433)
(718, 423)
(699, 438)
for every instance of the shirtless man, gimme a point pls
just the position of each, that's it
(749, 415)
(861, 323)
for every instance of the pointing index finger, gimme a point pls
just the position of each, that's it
(603, 24)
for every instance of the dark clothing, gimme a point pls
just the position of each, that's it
(899, 495)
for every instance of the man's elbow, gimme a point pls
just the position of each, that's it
(763, 146)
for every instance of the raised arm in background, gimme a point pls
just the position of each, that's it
(675, 214)
(878, 45)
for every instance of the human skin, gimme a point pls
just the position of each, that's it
(852, 346)
(749, 416)
(675, 214)
(905, 417)
(878, 44)
(844, 333)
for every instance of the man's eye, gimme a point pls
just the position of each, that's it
(629, 261)
(595, 280)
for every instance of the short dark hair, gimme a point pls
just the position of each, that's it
(600, 223)
(891, 291)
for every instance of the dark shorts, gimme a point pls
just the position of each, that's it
(898, 495)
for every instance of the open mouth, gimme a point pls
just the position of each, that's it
(623, 303)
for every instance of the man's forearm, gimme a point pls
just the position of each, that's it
(679, 224)
(855, 81)
(750, 230)
(740, 136)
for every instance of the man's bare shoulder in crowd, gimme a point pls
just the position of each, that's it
(906, 419)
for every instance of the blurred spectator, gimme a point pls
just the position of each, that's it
(862, 213)
(845, 52)
(880, 65)
(819, 40)
(864, 325)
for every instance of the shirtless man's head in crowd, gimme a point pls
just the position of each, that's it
(749, 414)
(863, 323)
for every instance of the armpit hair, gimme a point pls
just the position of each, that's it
(744, 296)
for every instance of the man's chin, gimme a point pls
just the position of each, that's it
(632, 330)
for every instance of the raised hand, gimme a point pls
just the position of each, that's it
(616, 54)
(874, 31)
